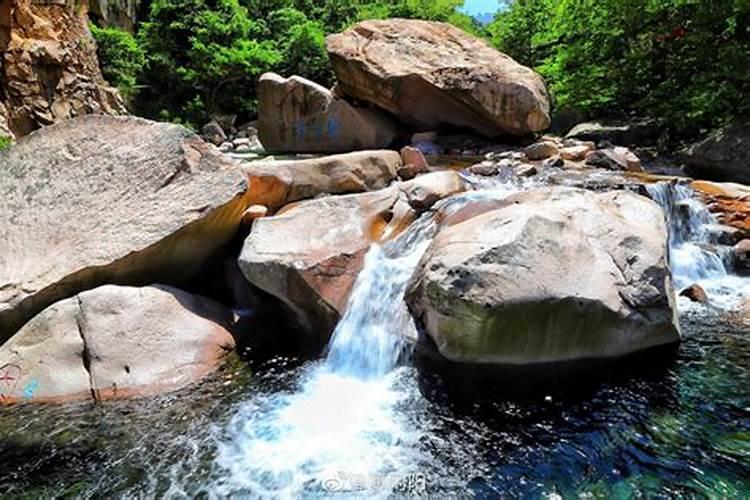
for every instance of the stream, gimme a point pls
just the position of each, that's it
(370, 419)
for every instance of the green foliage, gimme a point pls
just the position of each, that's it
(685, 62)
(120, 57)
(5, 142)
(204, 57)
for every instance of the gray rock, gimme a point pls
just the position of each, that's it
(549, 275)
(100, 200)
(723, 155)
(634, 133)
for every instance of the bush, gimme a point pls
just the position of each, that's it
(120, 57)
(5, 142)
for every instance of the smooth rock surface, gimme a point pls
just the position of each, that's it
(100, 200)
(276, 183)
(116, 342)
(551, 275)
(431, 75)
(296, 115)
(309, 256)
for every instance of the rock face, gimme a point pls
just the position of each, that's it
(100, 200)
(115, 342)
(299, 116)
(723, 155)
(432, 74)
(49, 69)
(552, 275)
(122, 14)
(310, 255)
(276, 183)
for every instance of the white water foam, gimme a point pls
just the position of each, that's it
(341, 431)
(695, 255)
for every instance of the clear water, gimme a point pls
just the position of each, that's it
(359, 423)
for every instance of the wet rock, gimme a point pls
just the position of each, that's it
(486, 168)
(548, 275)
(526, 170)
(554, 162)
(723, 155)
(309, 255)
(300, 116)
(100, 200)
(742, 255)
(729, 202)
(695, 293)
(276, 183)
(430, 75)
(252, 213)
(576, 153)
(616, 158)
(116, 342)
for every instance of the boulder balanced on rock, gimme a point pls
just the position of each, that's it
(299, 116)
(431, 75)
(552, 275)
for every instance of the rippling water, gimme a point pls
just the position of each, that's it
(667, 424)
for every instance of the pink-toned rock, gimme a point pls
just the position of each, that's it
(575, 153)
(414, 163)
(431, 75)
(541, 151)
(115, 342)
(254, 212)
(695, 293)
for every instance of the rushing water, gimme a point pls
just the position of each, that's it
(360, 423)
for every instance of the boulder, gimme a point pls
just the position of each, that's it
(633, 133)
(695, 293)
(541, 151)
(616, 158)
(431, 75)
(115, 342)
(296, 115)
(426, 190)
(49, 69)
(548, 275)
(577, 152)
(214, 133)
(276, 183)
(729, 202)
(309, 255)
(722, 156)
(414, 163)
(99, 200)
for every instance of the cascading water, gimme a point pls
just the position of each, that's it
(696, 256)
(342, 423)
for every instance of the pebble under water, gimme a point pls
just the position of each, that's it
(671, 424)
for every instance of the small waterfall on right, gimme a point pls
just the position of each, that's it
(695, 252)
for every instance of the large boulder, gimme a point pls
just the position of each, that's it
(296, 115)
(276, 183)
(549, 275)
(723, 155)
(115, 342)
(100, 200)
(310, 254)
(431, 75)
(49, 69)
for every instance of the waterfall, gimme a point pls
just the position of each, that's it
(342, 428)
(369, 338)
(694, 253)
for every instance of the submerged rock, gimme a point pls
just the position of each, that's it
(100, 200)
(276, 183)
(296, 115)
(115, 342)
(432, 75)
(548, 275)
(695, 293)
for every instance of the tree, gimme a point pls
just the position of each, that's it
(120, 57)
